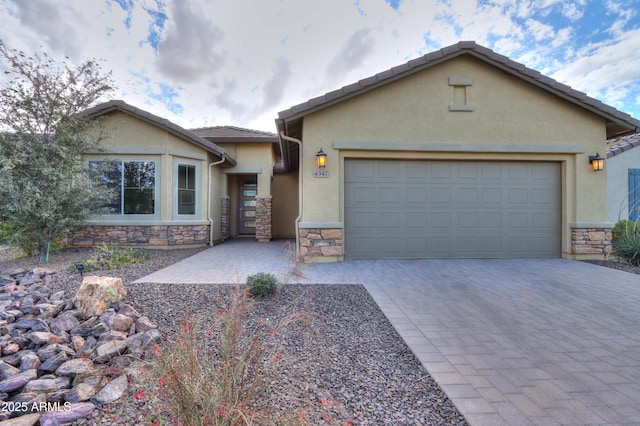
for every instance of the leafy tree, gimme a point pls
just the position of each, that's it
(45, 189)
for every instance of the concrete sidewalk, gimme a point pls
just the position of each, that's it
(545, 341)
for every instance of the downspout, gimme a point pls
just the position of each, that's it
(301, 174)
(209, 218)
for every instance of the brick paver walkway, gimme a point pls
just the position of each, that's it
(511, 342)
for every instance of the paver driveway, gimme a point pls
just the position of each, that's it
(512, 342)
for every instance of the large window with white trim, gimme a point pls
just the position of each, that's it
(186, 189)
(133, 184)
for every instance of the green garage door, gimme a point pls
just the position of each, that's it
(451, 209)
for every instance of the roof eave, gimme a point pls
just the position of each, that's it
(626, 124)
(163, 123)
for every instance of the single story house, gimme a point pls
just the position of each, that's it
(187, 187)
(623, 177)
(459, 153)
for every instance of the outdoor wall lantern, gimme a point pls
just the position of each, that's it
(596, 162)
(321, 159)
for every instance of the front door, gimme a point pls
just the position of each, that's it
(247, 207)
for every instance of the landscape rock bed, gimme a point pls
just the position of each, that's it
(56, 362)
(355, 356)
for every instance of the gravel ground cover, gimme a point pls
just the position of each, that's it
(354, 356)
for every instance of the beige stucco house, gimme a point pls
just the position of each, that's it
(180, 187)
(623, 177)
(460, 153)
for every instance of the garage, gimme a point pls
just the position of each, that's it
(451, 209)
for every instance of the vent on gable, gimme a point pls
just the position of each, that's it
(460, 93)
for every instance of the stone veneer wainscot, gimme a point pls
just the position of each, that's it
(224, 217)
(591, 240)
(140, 235)
(318, 243)
(263, 218)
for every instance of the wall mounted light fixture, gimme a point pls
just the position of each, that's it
(596, 162)
(321, 159)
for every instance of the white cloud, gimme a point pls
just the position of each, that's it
(200, 62)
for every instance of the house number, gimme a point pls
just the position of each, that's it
(321, 173)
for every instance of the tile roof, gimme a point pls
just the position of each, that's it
(625, 122)
(621, 144)
(235, 134)
(163, 123)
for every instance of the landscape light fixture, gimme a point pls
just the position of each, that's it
(80, 268)
(596, 162)
(321, 159)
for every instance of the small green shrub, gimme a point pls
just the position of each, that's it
(262, 284)
(624, 227)
(107, 258)
(626, 241)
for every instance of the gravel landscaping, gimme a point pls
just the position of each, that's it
(354, 357)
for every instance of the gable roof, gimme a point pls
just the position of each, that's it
(233, 134)
(618, 123)
(162, 123)
(622, 143)
(222, 134)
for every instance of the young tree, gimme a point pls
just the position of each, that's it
(45, 190)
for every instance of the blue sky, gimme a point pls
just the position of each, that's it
(203, 63)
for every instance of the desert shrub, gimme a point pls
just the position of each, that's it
(624, 227)
(230, 370)
(262, 284)
(626, 241)
(107, 258)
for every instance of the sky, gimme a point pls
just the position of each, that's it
(205, 63)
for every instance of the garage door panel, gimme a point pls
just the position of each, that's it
(492, 220)
(363, 194)
(422, 209)
(440, 246)
(468, 195)
(542, 196)
(417, 195)
(492, 196)
(417, 170)
(389, 220)
(388, 195)
(417, 245)
(518, 220)
(417, 220)
(493, 246)
(440, 195)
(468, 220)
(440, 221)
(363, 221)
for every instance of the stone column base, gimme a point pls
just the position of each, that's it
(263, 218)
(321, 245)
(224, 217)
(591, 242)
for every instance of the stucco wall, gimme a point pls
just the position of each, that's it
(253, 159)
(285, 204)
(130, 138)
(411, 119)
(617, 169)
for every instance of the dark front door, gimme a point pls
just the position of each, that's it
(247, 207)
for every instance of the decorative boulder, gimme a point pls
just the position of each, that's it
(96, 294)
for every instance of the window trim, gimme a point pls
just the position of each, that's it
(156, 188)
(177, 191)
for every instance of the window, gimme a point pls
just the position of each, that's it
(186, 189)
(133, 183)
